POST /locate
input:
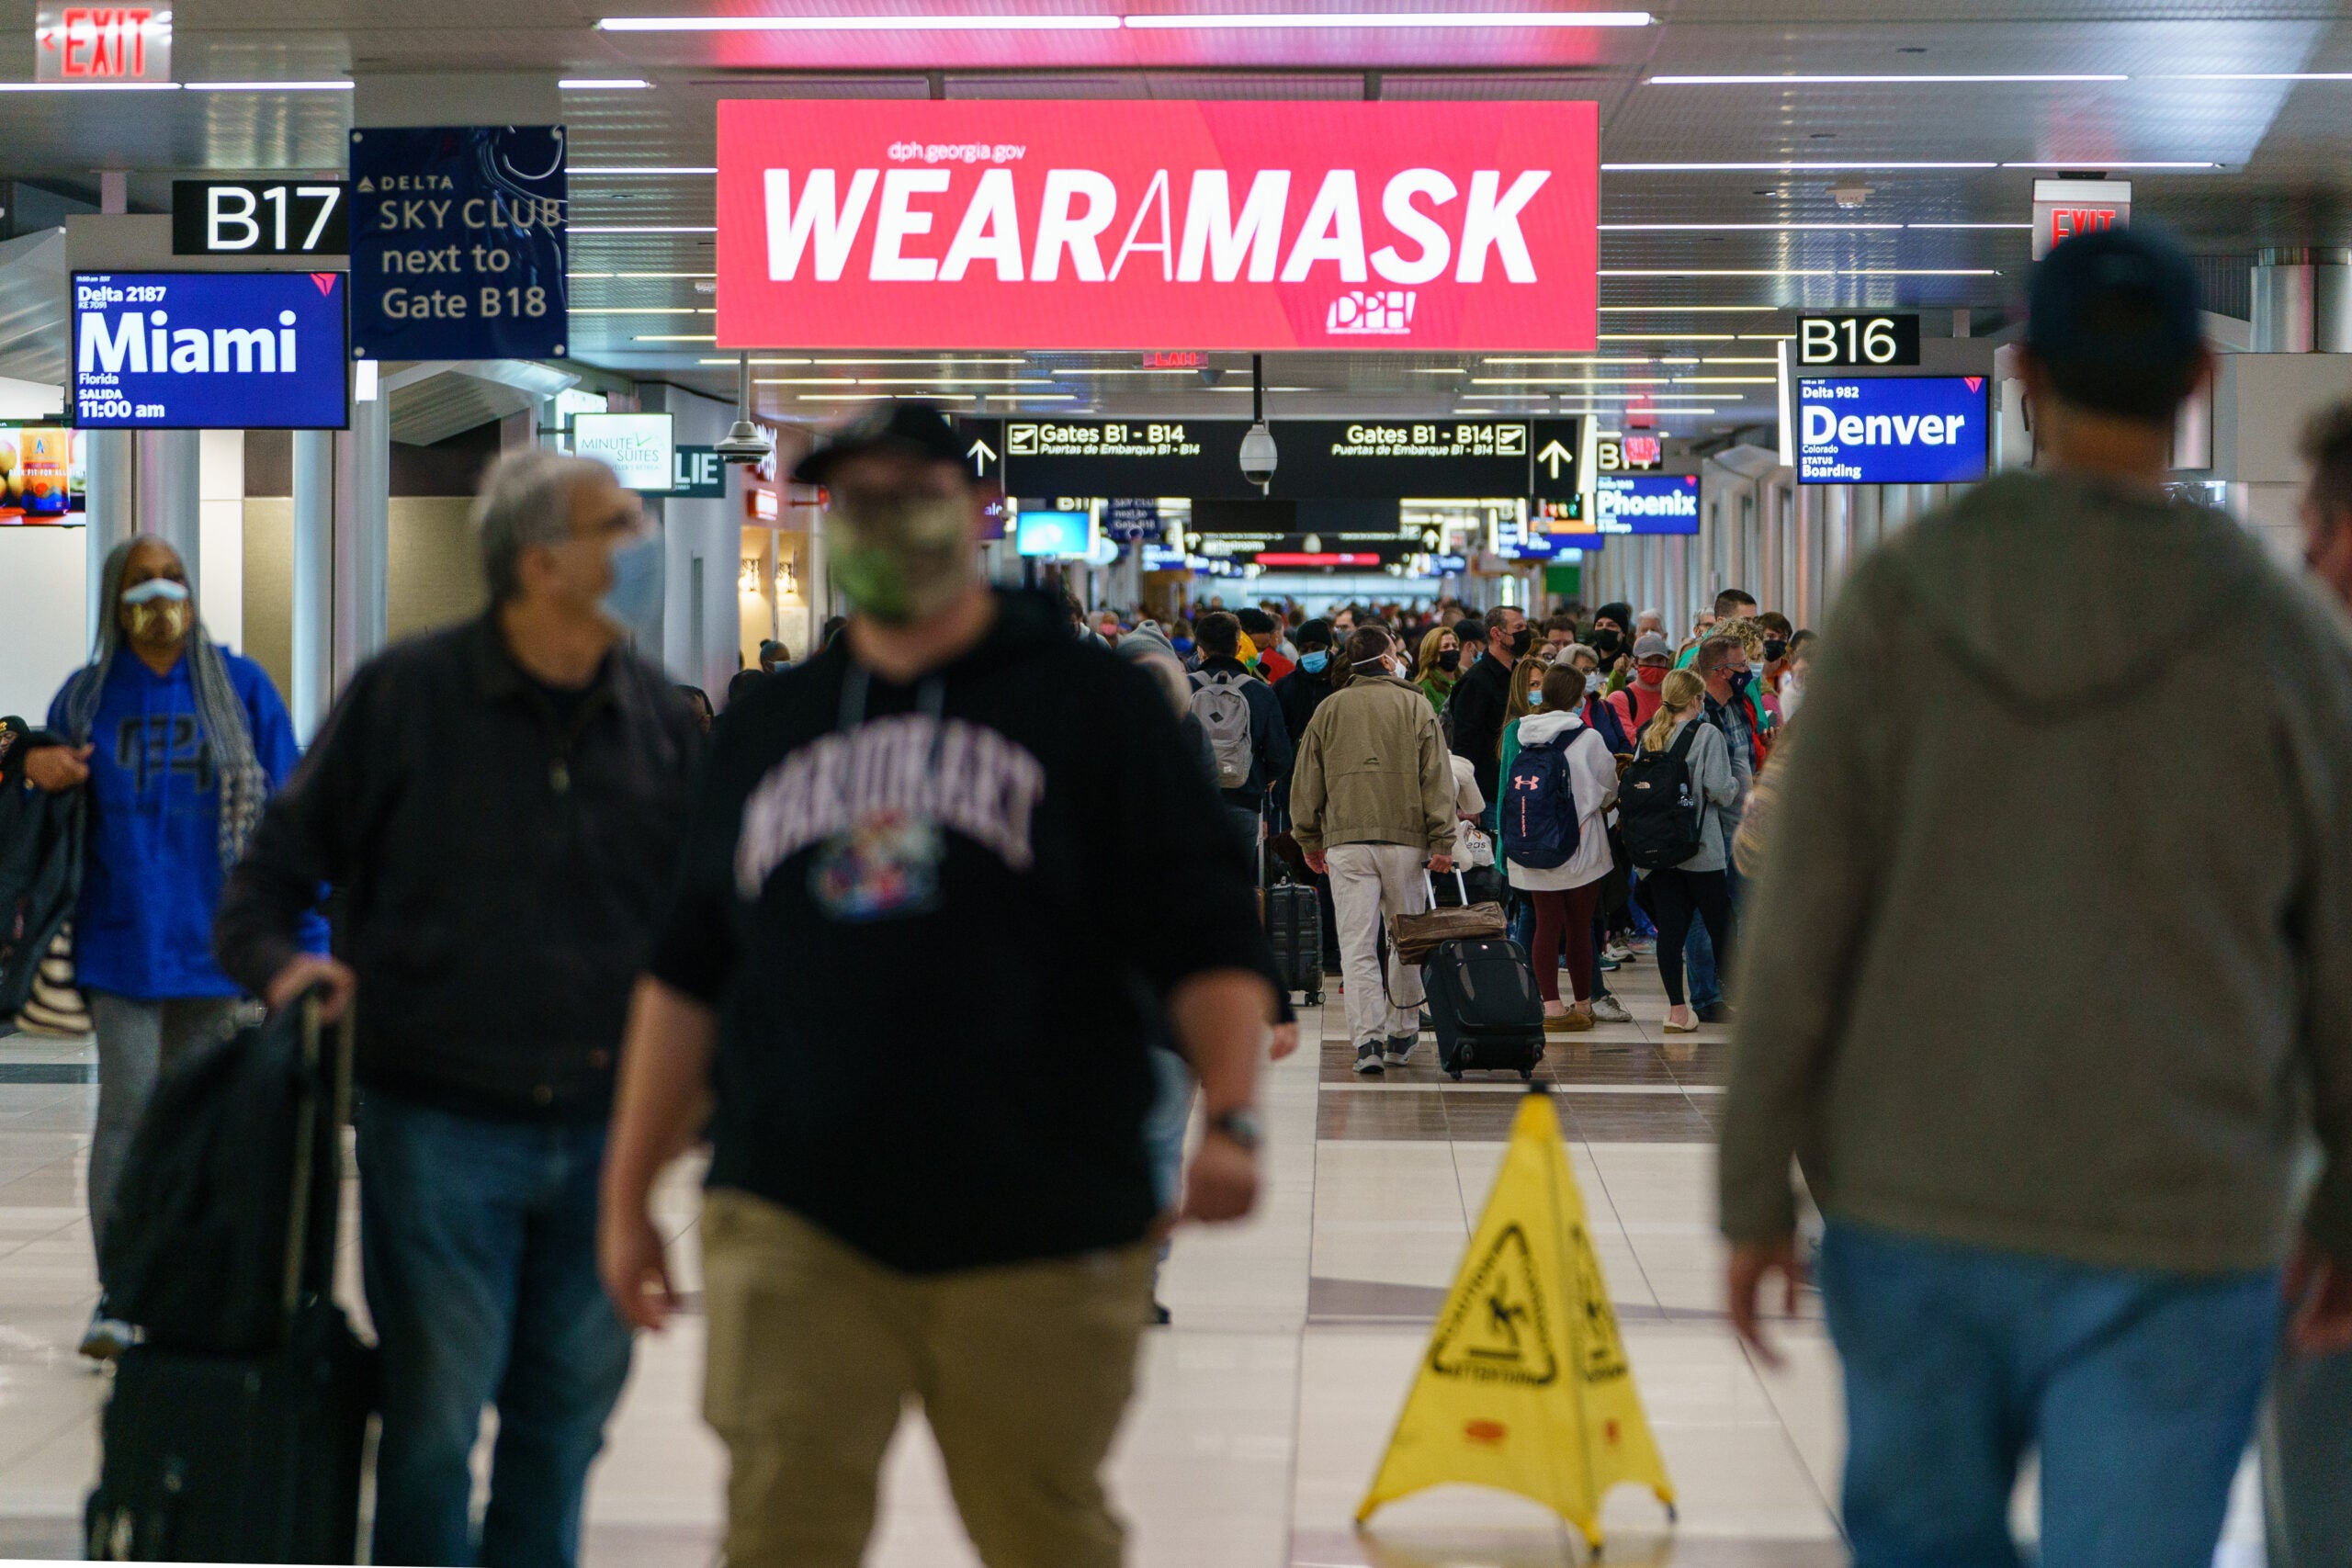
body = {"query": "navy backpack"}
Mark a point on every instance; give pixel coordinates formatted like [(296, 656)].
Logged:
[(1540, 830)]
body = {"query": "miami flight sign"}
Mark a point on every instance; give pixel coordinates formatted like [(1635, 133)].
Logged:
[(1076, 225)]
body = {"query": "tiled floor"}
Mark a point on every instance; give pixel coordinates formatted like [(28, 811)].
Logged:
[(1263, 1410)]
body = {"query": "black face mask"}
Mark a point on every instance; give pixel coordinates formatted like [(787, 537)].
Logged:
[(1450, 660), (1606, 642), (1521, 640), (1774, 648)]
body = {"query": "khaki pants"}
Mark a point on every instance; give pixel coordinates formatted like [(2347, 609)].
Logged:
[(1370, 882), (1024, 1372)]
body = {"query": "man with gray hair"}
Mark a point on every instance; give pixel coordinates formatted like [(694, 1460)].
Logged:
[(499, 808)]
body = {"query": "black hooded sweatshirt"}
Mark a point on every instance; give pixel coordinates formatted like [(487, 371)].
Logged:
[(955, 1080)]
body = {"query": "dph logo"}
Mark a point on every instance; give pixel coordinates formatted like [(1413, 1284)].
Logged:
[(1381, 313)]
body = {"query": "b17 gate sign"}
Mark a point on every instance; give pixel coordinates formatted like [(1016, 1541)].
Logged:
[(1088, 225)]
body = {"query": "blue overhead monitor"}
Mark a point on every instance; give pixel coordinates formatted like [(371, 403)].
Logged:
[(1892, 430), (210, 351), (1646, 504), (1066, 536)]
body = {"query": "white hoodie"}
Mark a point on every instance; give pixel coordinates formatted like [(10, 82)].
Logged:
[(1593, 774)]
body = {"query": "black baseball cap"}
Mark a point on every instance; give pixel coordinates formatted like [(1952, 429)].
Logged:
[(917, 429), (2119, 299)]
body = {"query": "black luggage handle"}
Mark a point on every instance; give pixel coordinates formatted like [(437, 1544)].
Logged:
[(310, 1260)]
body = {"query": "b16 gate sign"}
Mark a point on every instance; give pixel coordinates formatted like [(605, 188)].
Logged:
[(1225, 225), (1892, 430), (208, 351)]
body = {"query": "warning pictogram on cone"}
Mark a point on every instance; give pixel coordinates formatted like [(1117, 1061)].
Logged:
[(1525, 1385)]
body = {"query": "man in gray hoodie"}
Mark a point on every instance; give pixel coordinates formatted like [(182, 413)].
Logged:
[(2044, 987)]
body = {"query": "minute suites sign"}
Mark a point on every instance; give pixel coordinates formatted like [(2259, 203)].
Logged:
[(1132, 225)]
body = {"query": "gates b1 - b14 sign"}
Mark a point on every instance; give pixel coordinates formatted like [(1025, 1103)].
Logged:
[(1223, 225)]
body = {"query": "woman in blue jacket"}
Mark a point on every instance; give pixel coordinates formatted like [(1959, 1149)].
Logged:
[(178, 742)]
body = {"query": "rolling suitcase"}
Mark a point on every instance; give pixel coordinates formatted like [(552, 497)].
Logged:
[(1293, 925), (1484, 1005), (239, 1453)]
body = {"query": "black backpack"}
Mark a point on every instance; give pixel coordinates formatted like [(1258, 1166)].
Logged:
[(1657, 805), (237, 1151)]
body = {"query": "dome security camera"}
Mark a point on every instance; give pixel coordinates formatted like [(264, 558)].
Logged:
[(1257, 455)]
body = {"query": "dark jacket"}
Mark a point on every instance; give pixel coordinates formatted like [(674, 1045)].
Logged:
[(1478, 705), (1270, 747), (499, 867), (40, 864), (1298, 694)]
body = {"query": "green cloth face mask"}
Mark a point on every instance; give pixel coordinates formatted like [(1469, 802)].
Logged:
[(900, 561)]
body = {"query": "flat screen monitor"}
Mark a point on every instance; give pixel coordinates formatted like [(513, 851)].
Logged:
[(1646, 504), (1892, 430), (1063, 534), (210, 351)]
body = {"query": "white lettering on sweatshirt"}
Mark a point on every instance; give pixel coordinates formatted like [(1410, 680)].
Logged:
[(964, 776)]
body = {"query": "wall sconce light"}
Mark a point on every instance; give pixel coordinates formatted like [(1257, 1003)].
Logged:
[(787, 580), (748, 580)]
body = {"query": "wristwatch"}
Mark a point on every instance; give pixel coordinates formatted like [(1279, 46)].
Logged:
[(1240, 1126)]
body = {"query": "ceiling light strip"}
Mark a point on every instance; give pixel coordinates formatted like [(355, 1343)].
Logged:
[(986, 23), (1328, 20), (601, 84), (642, 229), (576, 171), (1903, 81), (1801, 272)]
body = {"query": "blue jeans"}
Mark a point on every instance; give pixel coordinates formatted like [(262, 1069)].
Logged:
[(479, 1243), (2138, 1388)]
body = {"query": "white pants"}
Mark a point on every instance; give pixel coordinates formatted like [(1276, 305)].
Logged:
[(1370, 882)]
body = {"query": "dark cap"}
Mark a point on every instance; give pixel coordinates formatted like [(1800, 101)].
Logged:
[(916, 429), (2120, 299)]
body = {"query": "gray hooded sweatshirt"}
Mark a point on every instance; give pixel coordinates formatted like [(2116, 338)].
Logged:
[(2048, 952)]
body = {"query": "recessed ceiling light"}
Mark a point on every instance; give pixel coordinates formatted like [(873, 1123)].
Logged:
[(89, 87), (1767, 227), (1801, 272), (603, 83), (1206, 20), (856, 24), (2115, 164), (1785, 167), (1903, 80)]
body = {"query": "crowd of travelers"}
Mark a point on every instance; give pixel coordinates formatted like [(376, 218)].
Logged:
[(872, 935)]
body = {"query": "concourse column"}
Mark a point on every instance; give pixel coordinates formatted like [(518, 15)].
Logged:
[(170, 494), (110, 499), (362, 536), (313, 616)]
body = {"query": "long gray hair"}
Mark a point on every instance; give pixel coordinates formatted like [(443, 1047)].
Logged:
[(245, 787)]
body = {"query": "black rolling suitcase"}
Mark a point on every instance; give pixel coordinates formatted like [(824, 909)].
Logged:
[(1293, 925), (237, 1429), (1483, 1007)]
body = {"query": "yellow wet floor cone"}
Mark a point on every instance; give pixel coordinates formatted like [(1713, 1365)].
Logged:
[(1525, 1384)]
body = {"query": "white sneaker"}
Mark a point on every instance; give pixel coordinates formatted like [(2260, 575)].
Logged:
[(1618, 951), (1368, 1059), (1609, 1010)]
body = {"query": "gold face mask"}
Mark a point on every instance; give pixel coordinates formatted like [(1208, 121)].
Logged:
[(157, 612), (900, 559)]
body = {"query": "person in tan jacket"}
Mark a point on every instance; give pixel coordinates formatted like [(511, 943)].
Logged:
[(1371, 803)]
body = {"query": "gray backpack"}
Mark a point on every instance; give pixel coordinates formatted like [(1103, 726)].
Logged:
[(1222, 708)]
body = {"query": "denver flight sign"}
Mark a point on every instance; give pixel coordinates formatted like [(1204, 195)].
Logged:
[(1077, 225)]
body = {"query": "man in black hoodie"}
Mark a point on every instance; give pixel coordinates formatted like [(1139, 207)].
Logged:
[(1483, 694), (907, 953)]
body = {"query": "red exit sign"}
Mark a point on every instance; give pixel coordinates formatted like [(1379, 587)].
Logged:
[(2064, 209), (104, 43), (1173, 359)]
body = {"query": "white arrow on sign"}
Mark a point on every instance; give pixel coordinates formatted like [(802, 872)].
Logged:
[(982, 455), (1556, 455)]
